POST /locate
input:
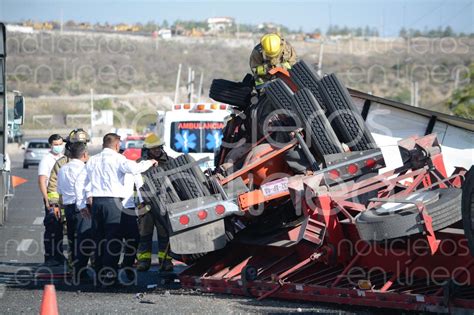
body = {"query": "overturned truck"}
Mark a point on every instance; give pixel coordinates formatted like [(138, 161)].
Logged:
[(326, 194)]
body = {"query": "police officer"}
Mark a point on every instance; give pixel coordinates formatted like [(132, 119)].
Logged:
[(53, 232), (105, 173), (272, 51), (153, 149)]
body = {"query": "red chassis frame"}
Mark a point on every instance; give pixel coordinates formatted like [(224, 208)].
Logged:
[(325, 260)]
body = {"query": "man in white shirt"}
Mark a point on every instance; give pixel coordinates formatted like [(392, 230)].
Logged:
[(53, 232), (106, 172), (129, 224), (77, 226)]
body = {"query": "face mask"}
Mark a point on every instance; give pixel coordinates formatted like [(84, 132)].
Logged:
[(58, 149)]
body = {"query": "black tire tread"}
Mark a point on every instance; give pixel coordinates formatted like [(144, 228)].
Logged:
[(322, 135), (229, 92), (304, 105), (347, 122), (281, 96), (158, 190), (304, 76), (468, 208), (186, 184)]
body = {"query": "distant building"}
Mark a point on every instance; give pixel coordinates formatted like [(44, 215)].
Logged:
[(122, 27), (20, 29), (164, 33), (220, 24), (268, 28)]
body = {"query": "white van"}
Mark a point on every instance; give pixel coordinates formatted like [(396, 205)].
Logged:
[(194, 128)]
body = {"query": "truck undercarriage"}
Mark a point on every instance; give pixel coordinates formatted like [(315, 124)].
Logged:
[(304, 204)]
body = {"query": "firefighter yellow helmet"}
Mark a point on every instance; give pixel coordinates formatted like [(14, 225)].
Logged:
[(152, 141), (271, 44)]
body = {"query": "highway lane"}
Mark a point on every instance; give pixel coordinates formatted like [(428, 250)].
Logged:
[(21, 254)]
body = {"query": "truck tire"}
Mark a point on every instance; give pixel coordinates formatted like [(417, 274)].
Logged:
[(229, 92), (248, 80), (304, 76), (281, 99), (185, 182), (323, 137), (468, 208), (195, 170), (303, 105), (157, 189), (344, 116), (373, 226)]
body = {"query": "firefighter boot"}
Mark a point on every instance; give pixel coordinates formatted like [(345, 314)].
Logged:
[(166, 263), (144, 261)]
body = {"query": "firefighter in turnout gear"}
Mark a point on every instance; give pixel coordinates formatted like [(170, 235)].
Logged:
[(272, 51), (68, 218), (153, 149), (77, 135)]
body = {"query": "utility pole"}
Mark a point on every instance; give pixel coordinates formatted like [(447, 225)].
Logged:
[(320, 62), (92, 113), (191, 96), (3, 94), (189, 84), (330, 14), (414, 94), (178, 79), (201, 79), (456, 79), (62, 20)]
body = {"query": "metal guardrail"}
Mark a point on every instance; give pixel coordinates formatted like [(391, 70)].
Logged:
[(448, 119)]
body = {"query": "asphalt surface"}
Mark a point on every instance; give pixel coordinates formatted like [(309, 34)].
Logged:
[(21, 292)]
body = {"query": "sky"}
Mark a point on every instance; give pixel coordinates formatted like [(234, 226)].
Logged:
[(388, 16)]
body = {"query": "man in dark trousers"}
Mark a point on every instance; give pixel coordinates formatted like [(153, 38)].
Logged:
[(148, 220), (78, 227), (53, 233), (105, 173)]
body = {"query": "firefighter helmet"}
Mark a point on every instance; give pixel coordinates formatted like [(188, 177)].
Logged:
[(152, 141), (271, 44), (78, 135)]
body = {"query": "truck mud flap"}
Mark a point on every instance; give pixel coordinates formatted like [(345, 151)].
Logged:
[(206, 238)]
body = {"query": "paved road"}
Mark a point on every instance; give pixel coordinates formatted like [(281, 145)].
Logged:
[(20, 292)]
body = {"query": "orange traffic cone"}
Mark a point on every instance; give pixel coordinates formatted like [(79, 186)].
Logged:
[(17, 181), (49, 305)]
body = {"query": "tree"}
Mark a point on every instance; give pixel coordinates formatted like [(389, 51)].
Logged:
[(150, 26), (70, 23), (165, 24), (417, 33), (461, 103), (448, 32), (366, 31), (403, 33)]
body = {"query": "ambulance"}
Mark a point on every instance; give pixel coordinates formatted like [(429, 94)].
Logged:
[(194, 129)]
